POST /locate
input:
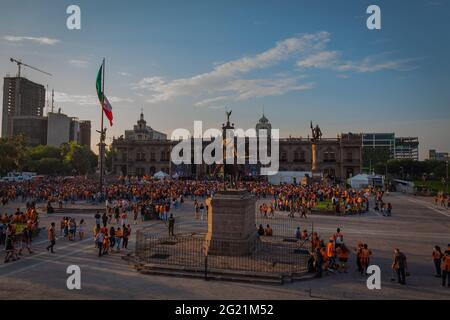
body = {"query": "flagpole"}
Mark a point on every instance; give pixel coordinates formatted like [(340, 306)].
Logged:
[(102, 133)]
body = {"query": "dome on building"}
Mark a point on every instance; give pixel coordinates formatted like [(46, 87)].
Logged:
[(263, 119), (263, 124)]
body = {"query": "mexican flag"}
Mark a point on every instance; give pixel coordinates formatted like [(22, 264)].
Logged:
[(106, 106)]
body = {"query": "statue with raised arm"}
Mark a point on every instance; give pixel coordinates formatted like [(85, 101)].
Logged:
[(316, 132), (228, 113)]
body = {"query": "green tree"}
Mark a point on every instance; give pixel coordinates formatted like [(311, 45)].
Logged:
[(79, 158), (110, 154), (12, 154), (40, 152), (374, 156)]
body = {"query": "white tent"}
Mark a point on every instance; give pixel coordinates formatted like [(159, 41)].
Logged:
[(359, 181), (161, 175), (288, 177)]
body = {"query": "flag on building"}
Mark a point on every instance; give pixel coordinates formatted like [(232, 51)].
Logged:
[(106, 106)]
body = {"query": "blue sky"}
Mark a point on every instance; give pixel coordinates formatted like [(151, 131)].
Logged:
[(187, 60)]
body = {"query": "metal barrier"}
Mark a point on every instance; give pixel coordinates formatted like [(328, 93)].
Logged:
[(270, 255)]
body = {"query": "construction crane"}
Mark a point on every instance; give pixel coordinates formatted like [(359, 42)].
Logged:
[(20, 64)]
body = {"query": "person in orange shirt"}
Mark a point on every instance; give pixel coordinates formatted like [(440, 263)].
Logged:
[(331, 254), (365, 259), (343, 253), (446, 267), (268, 232)]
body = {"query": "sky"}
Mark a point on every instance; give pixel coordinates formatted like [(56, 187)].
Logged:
[(181, 61)]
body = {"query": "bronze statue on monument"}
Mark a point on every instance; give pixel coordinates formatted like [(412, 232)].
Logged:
[(316, 132), (316, 137)]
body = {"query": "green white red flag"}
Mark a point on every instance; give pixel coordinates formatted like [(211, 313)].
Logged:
[(106, 106)]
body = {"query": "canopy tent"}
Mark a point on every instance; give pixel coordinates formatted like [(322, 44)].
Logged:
[(359, 181), (161, 175)]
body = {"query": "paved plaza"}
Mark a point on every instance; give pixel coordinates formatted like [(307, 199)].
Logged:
[(415, 227)]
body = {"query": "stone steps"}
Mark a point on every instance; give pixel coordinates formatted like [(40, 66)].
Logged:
[(220, 274)]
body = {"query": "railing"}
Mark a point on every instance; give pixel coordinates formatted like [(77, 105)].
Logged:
[(267, 255)]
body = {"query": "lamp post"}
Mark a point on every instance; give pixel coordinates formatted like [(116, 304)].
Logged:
[(446, 179)]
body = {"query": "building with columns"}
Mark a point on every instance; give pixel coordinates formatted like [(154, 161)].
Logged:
[(145, 151)]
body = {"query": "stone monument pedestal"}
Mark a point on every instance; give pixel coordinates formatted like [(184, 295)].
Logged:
[(231, 223)]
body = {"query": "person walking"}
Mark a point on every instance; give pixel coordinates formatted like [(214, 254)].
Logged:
[(318, 262), (105, 219), (126, 236), (81, 229), (119, 236), (99, 239), (400, 266), (365, 259), (26, 240), (112, 237), (97, 217), (437, 260), (171, 225), (446, 267), (51, 237), (10, 248)]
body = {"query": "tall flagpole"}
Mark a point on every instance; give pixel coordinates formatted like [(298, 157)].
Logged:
[(102, 132)]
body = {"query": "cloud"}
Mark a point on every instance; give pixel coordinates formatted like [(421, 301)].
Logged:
[(235, 80), (78, 63), (86, 100), (369, 64), (124, 74), (227, 77), (38, 40), (321, 59), (331, 60)]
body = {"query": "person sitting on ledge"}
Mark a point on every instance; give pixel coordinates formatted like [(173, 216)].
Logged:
[(268, 231), (261, 231)]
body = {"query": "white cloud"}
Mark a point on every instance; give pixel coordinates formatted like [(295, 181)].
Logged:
[(78, 63), (39, 40), (232, 80), (320, 59), (371, 65), (124, 74), (330, 60), (226, 76), (86, 100)]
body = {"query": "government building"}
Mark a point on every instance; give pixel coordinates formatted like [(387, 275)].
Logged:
[(145, 151)]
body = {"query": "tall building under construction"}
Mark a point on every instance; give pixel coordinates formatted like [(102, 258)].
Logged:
[(21, 98)]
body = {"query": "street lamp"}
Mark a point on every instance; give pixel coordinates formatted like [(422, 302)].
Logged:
[(446, 179)]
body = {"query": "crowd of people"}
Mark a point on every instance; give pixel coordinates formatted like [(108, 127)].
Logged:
[(129, 201), (442, 200)]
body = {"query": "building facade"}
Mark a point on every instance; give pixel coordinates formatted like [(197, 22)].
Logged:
[(141, 152), (381, 147), (438, 156), (58, 131), (33, 128), (21, 97), (85, 133)]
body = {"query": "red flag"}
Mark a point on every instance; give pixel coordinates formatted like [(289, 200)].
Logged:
[(107, 109)]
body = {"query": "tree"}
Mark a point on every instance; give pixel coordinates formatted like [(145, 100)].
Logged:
[(374, 156), (110, 154), (40, 152), (81, 159), (12, 154)]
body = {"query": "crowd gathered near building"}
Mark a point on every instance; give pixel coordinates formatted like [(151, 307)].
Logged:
[(129, 201)]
